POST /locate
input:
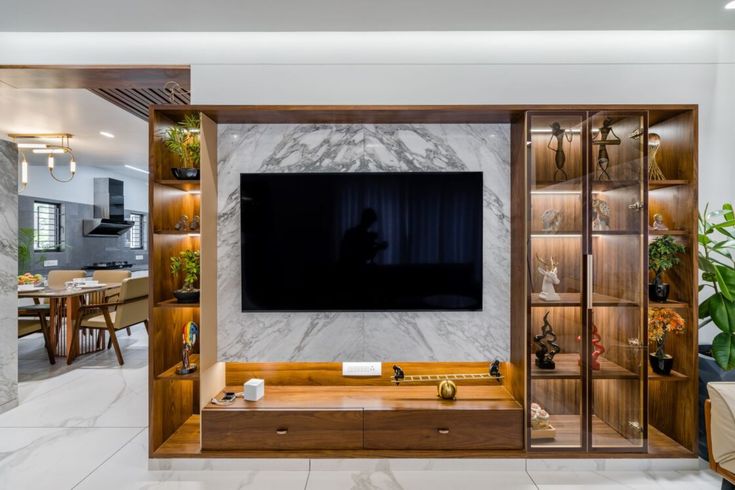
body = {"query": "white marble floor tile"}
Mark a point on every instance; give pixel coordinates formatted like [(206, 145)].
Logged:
[(384, 479), (34, 458), (640, 480)]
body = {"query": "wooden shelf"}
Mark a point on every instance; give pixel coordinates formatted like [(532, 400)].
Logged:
[(610, 185), (570, 187), (173, 303), (662, 184), (184, 442), (668, 304), (559, 234), (170, 373), (674, 377), (177, 232), (616, 233), (184, 185), (575, 299), (567, 367), (568, 432), (668, 232)]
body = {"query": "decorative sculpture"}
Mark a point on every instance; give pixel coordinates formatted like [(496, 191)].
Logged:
[(189, 338), (654, 171), (551, 220), (600, 215), (539, 417), (603, 158), (559, 134), (446, 389), (195, 225), (182, 224), (658, 223), (547, 346), (549, 271), (597, 348)]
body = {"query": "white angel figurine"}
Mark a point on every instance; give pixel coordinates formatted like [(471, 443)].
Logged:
[(548, 270)]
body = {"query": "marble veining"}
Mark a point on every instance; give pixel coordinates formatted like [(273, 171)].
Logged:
[(337, 336), (8, 272)]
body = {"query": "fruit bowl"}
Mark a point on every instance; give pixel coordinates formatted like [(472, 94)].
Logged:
[(30, 280)]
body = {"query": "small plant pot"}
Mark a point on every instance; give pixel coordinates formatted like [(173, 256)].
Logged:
[(187, 296), (661, 365), (658, 292), (186, 173)]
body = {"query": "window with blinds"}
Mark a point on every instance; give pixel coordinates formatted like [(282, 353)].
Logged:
[(47, 226), (135, 235)]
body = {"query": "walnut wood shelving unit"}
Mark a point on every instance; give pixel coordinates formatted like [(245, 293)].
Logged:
[(181, 418)]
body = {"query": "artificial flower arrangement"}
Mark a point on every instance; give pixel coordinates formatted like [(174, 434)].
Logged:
[(661, 323)]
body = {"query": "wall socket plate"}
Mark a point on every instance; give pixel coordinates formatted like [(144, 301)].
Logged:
[(50, 263), (361, 369), (138, 257)]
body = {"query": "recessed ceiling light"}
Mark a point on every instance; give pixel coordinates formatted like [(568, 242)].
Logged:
[(106, 134), (136, 169), (730, 5)]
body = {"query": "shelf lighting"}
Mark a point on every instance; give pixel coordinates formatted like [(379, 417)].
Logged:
[(195, 192), (553, 192), (556, 235), (137, 169), (194, 234)]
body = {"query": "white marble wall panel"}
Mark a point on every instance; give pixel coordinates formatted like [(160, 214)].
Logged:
[(8, 272), (336, 336)]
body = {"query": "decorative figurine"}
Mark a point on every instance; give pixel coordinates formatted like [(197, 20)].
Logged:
[(195, 225), (547, 346), (447, 390), (182, 224), (189, 337), (560, 134), (658, 223), (654, 171), (600, 215), (598, 348), (603, 159), (539, 417), (551, 220), (549, 271)]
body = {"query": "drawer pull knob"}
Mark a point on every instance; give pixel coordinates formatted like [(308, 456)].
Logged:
[(443, 431), (281, 432)]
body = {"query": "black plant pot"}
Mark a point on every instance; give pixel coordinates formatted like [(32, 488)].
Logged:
[(187, 296), (186, 173), (661, 365), (708, 371), (658, 292)]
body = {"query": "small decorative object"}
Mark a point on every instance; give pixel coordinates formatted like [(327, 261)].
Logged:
[(603, 159), (559, 134), (187, 262), (447, 390), (662, 322), (662, 256), (551, 220), (549, 271), (182, 224), (253, 389), (658, 223), (547, 346), (597, 348), (182, 140), (600, 215), (195, 225), (540, 426), (189, 338), (654, 171)]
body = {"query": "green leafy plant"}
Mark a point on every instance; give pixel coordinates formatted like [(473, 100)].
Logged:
[(186, 263), (25, 250), (717, 263), (662, 255), (182, 140)]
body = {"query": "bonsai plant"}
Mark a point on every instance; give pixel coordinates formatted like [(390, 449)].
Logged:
[(186, 263), (182, 140), (662, 256), (662, 322)]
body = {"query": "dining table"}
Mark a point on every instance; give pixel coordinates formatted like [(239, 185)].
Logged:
[(64, 304)]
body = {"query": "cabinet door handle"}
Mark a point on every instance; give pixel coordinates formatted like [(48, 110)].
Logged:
[(442, 431), (281, 432)]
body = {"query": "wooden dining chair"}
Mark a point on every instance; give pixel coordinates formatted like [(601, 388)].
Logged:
[(111, 276), (32, 319), (130, 309), (58, 278)]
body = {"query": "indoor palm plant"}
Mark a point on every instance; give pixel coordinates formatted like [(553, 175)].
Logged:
[(661, 323), (182, 139), (662, 255), (186, 264)]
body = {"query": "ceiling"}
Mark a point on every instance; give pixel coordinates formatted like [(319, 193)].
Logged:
[(364, 15), (81, 113)]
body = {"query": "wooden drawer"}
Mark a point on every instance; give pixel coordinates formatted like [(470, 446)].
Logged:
[(444, 429), (281, 429)]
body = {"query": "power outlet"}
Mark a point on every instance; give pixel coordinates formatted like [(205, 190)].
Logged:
[(361, 368), (138, 257), (50, 263)]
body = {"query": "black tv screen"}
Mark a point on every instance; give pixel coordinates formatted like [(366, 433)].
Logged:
[(361, 241)]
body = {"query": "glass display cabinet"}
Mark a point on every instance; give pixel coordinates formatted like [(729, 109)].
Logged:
[(587, 294)]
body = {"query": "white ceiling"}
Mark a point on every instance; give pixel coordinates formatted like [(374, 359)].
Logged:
[(82, 114), (363, 15)]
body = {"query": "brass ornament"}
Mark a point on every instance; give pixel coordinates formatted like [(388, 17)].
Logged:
[(447, 390)]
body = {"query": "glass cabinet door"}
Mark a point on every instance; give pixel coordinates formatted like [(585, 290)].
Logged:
[(616, 244), (556, 148)]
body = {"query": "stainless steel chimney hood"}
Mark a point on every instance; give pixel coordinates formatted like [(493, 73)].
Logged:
[(109, 210)]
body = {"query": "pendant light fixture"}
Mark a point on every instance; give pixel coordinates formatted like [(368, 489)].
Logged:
[(63, 148)]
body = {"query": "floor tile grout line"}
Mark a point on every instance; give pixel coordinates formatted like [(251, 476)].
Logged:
[(108, 458), (308, 474), (529, 475)]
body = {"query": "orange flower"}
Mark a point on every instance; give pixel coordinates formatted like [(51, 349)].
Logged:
[(662, 321)]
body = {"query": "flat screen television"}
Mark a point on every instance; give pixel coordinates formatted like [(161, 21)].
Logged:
[(403, 241)]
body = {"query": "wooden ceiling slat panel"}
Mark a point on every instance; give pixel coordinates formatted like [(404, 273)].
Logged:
[(137, 100)]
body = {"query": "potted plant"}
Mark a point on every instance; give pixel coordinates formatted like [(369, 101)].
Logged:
[(662, 256), (717, 264), (662, 322), (186, 263), (182, 140)]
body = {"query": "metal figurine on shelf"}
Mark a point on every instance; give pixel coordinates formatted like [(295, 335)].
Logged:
[(549, 271), (446, 389), (189, 338), (551, 220), (597, 348), (654, 171), (547, 346), (603, 140), (195, 225), (658, 223), (600, 215), (559, 134), (182, 224)]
